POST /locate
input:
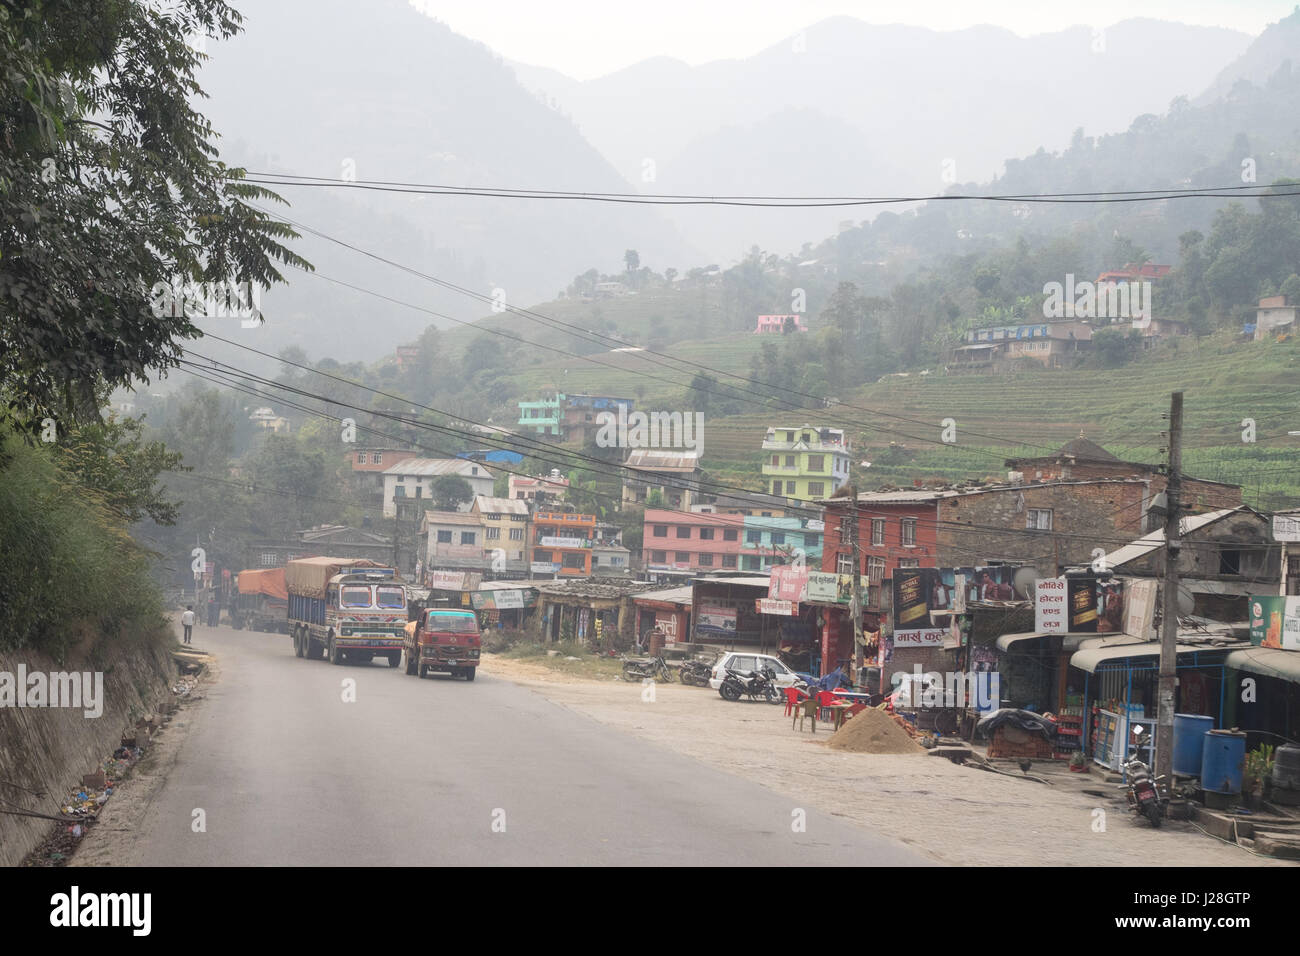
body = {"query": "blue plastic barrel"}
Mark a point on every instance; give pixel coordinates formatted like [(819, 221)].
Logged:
[(1189, 742), (1223, 761)]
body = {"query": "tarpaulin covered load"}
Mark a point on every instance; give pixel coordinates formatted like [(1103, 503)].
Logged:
[(1025, 720), (309, 577), (268, 581)]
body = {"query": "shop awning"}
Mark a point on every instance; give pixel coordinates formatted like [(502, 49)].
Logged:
[(1267, 661), (1006, 640), (1089, 658)]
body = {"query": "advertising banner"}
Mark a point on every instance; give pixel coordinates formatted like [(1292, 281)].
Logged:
[(1140, 608), (928, 597), (1286, 527), (921, 637), (1051, 606), (713, 619), (1275, 622), (788, 583), (775, 606), (446, 580)]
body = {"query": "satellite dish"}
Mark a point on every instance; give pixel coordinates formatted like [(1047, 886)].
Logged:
[(1024, 581)]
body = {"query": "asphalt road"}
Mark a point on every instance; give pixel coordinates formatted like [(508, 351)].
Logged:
[(445, 772)]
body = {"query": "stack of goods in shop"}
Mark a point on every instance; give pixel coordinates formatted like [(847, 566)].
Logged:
[(1069, 728)]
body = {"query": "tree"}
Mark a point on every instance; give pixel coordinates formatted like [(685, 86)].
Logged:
[(111, 192), (111, 461), (448, 492), (632, 259)]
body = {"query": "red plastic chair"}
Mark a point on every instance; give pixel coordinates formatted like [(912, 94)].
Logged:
[(824, 699), (792, 698)]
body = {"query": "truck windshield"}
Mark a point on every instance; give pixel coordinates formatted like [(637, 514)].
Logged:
[(452, 623), (355, 595), (391, 596)]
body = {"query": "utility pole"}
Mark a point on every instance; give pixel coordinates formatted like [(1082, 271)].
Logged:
[(855, 601), (1168, 683)]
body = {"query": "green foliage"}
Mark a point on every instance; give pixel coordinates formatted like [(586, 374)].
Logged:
[(449, 491), (68, 568), (119, 469), (109, 185)]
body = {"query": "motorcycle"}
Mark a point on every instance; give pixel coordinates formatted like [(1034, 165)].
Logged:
[(653, 667), (757, 685), (696, 673), (1143, 795)]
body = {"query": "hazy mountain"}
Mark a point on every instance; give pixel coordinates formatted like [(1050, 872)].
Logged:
[(1277, 45), (375, 90), (941, 106)]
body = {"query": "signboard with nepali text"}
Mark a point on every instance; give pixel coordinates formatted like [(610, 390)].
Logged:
[(776, 606), (1275, 622)]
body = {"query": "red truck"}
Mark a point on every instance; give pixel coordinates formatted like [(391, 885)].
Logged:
[(443, 640)]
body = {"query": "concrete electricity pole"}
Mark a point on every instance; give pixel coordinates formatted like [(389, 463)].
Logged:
[(1168, 682), (855, 600)]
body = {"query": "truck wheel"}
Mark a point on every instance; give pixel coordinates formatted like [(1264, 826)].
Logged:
[(336, 657), (298, 649), (419, 670), (410, 665), (469, 672), (394, 659)]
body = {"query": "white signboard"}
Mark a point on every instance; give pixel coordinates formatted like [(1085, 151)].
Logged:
[(505, 600), (1051, 607), (549, 542), (922, 637), (447, 580), (1286, 528), (544, 567), (1139, 607)]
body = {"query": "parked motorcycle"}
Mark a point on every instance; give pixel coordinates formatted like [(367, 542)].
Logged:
[(653, 667), (696, 673), (1143, 795), (757, 685)]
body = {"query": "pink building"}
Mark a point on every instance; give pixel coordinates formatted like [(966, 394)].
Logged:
[(775, 324), (686, 540)]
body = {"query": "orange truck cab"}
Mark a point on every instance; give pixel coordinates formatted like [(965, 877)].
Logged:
[(443, 640)]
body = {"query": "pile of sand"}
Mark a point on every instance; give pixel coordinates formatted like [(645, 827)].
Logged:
[(873, 731)]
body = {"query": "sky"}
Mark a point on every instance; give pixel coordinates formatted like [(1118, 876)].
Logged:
[(589, 38)]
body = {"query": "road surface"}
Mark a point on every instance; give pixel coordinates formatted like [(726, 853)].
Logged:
[(446, 772)]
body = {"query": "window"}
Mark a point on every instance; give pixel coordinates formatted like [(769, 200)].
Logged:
[(776, 461), (542, 557), (361, 458), (660, 531), (730, 534), (817, 463), (816, 489), (1039, 519), (751, 563), (843, 564), (706, 534), (1229, 562), (683, 531), (789, 461), (355, 596), (467, 537), (269, 559), (683, 557), (516, 534), (399, 491), (753, 537), (811, 540), (877, 530), (728, 560), (659, 557), (778, 537), (742, 662), (875, 570), (391, 597), (908, 532), (846, 529), (444, 537), (706, 560), (492, 534), (376, 459), (575, 561), (776, 487), (909, 562)]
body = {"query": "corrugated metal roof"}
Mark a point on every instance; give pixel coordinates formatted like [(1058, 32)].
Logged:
[(1156, 539), (486, 504), (1269, 661), (669, 595), (425, 467), (663, 459), (450, 517)]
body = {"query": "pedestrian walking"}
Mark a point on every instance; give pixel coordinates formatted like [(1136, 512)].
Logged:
[(187, 621)]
